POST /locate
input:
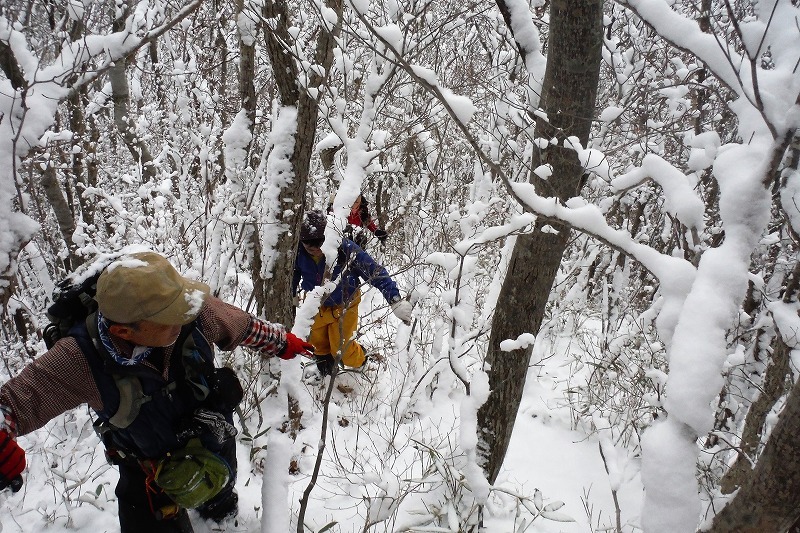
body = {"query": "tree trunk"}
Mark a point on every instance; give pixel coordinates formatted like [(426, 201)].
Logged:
[(769, 500), (120, 96), (277, 289), (773, 388), (568, 97), (249, 99), (11, 68), (63, 213), (247, 85), (775, 383), (92, 173), (74, 174)]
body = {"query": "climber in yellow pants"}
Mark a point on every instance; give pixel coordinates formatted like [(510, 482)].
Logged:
[(333, 331), (337, 318)]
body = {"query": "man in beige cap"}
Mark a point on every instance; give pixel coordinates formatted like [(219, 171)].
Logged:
[(144, 362)]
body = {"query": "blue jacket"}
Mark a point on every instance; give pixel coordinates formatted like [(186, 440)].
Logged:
[(358, 265)]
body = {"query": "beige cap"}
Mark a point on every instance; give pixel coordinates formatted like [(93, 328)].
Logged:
[(145, 286)]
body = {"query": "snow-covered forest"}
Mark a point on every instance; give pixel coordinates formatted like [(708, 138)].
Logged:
[(592, 207)]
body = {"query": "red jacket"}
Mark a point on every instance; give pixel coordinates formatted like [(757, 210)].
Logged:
[(355, 219)]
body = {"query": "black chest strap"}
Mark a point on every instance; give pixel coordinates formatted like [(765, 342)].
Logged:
[(131, 394)]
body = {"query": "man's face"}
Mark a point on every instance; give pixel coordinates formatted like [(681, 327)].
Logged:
[(147, 333), (313, 249)]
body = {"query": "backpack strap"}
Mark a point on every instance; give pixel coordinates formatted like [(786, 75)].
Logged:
[(131, 399), (195, 368), (131, 395)]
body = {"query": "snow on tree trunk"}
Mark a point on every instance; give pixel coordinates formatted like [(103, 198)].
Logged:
[(568, 97), (770, 499)]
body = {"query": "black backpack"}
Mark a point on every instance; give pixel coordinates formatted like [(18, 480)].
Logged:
[(73, 299)]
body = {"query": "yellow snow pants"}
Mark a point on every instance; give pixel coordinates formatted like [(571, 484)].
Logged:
[(333, 331)]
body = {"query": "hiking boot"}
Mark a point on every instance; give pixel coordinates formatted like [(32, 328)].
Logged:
[(372, 362), (222, 509), (325, 364), (314, 372)]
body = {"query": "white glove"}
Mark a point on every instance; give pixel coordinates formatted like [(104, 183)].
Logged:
[(296, 300), (402, 310)]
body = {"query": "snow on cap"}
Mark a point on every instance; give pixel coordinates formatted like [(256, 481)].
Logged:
[(145, 286)]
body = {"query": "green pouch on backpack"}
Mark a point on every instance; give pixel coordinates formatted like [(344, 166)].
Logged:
[(192, 475)]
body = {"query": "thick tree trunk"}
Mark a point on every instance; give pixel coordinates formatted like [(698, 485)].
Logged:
[(773, 388), (277, 289), (568, 97), (769, 500), (739, 514)]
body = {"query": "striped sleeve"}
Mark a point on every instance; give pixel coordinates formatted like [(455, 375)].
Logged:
[(227, 326), (266, 337)]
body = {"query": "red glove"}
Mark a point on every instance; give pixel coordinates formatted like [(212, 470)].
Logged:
[(295, 345), (12, 462)]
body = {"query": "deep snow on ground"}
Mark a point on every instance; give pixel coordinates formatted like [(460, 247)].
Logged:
[(545, 454), (564, 464)]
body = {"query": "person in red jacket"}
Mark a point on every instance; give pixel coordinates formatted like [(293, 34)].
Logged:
[(360, 217)]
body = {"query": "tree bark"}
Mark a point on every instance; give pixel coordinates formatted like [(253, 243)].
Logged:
[(773, 388), (120, 96), (774, 385), (66, 222), (277, 289), (769, 500), (568, 97), (92, 174), (247, 85), (248, 100), (11, 68)]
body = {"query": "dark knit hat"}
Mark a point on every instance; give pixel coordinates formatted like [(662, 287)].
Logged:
[(313, 228)]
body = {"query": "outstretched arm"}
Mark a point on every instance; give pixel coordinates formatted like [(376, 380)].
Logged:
[(57, 381), (54, 383), (227, 326), (377, 276), (371, 271)]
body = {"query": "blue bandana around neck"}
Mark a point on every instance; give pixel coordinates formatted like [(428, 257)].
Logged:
[(139, 352)]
